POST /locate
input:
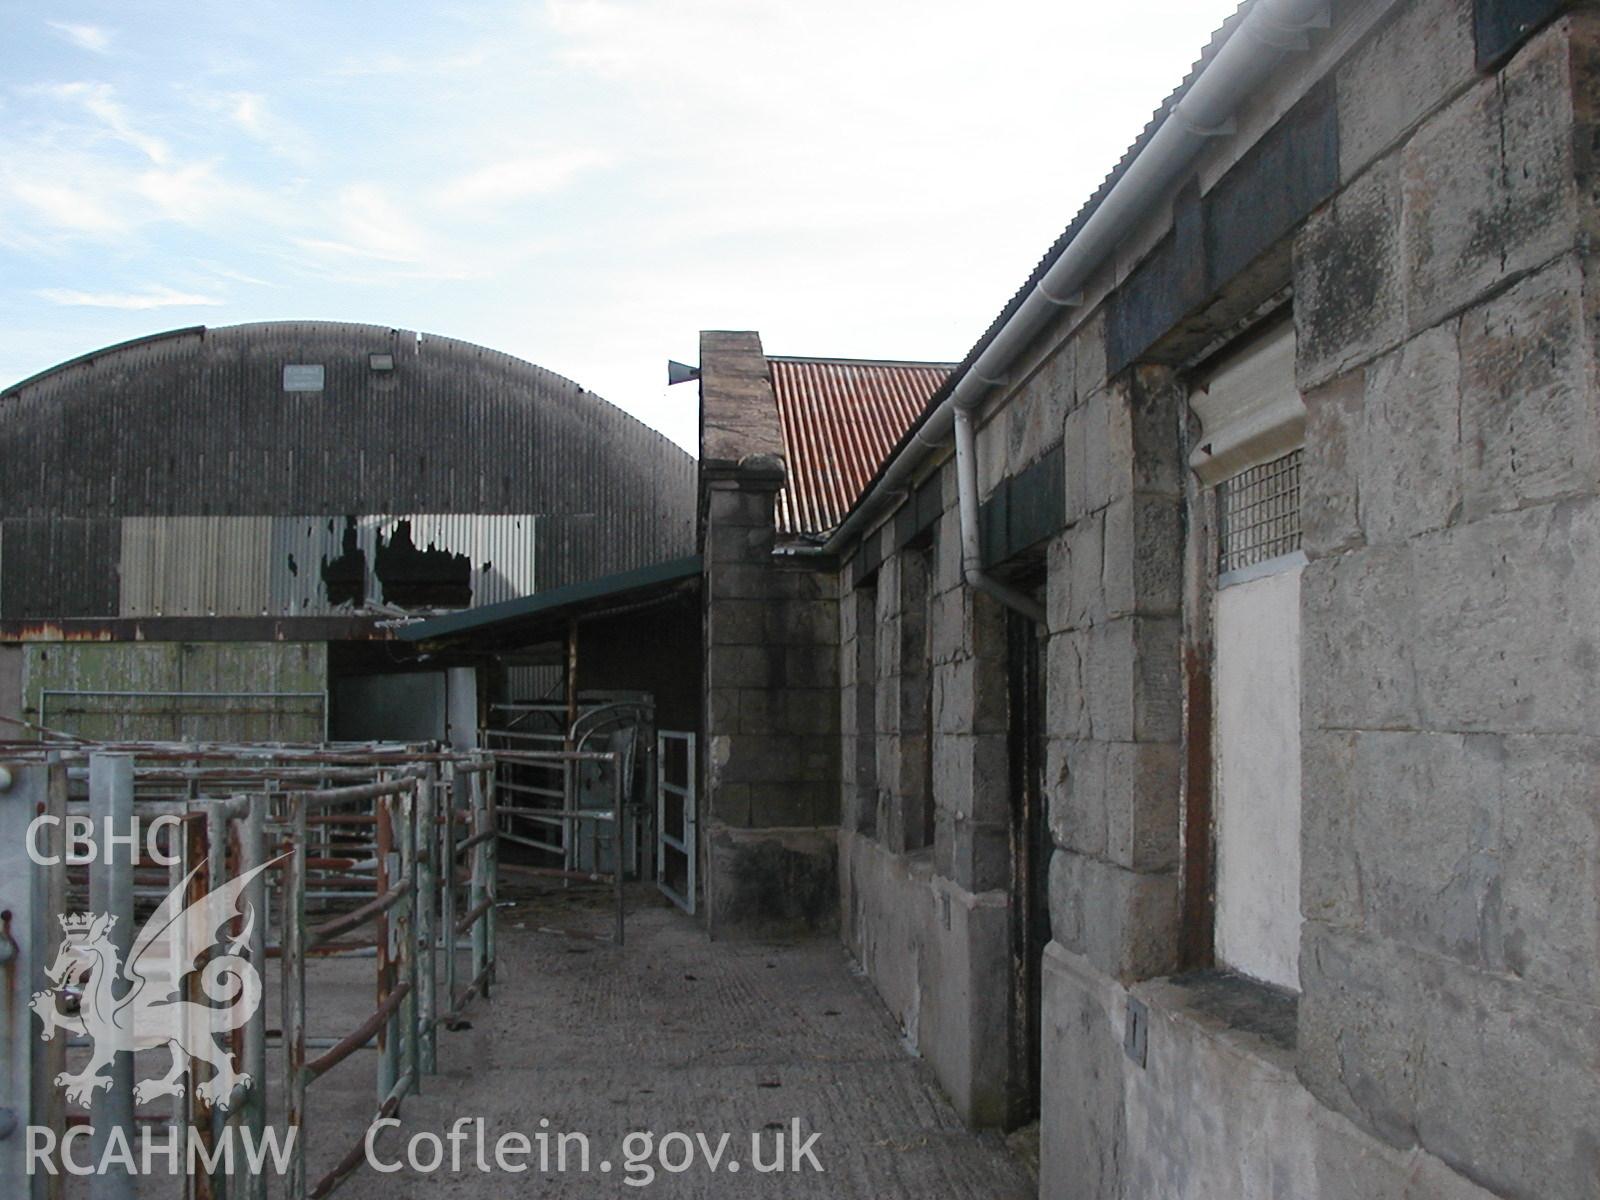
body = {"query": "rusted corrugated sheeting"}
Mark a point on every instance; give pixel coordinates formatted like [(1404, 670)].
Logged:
[(840, 419), (198, 424)]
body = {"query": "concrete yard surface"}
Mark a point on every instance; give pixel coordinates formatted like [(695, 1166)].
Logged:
[(683, 1039)]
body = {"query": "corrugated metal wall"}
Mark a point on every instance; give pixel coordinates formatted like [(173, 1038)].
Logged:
[(197, 424), (163, 668)]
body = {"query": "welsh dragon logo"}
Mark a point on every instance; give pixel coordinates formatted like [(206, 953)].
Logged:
[(136, 1005)]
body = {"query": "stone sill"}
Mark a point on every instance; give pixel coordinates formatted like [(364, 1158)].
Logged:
[(1249, 1017)]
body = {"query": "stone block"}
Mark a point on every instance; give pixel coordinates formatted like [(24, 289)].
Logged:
[(1349, 298), (809, 666), (1075, 443), (1033, 417), (1330, 488), (745, 667), (732, 622), (1428, 842), (1142, 811), (734, 544), (1124, 922), (1083, 1137), (947, 553), (762, 758), (728, 506), (969, 696), (1066, 711), (1357, 1042), (971, 778), (730, 803), (810, 711), (800, 623), (1530, 426), (785, 804), (1507, 1089), (1057, 588), (1142, 556), (973, 855), (947, 615), (770, 885), (740, 580), (1358, 635), (1075, 795), (1147, 454), (801, 580), (1108, 448), (757, 710), (1505, 639), (1549, 898), (1134, 679), (1330, 879), (1109, 669), (1410, 465), (1488, 184), (1399, 74), (1086, 572)]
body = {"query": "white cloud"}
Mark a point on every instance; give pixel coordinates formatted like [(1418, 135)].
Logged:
[(519, 178), (99, 100), (93, 38), (254, 114), (78, 209), (154, 296)]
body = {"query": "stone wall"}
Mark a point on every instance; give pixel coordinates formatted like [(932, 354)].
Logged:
[(1422, 185), (1451, 889), (926, 907), (772, 737)]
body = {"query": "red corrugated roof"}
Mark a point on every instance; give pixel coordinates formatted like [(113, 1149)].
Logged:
[(840, 419)]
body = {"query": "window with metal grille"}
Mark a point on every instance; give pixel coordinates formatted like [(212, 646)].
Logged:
[(1260, 513)]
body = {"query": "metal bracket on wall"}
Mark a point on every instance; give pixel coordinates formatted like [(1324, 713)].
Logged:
[(1136, 1031)]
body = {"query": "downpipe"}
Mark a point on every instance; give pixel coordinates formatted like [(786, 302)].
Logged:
[(972, 571)]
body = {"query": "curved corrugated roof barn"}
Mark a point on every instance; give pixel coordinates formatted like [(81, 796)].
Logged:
[(316, 468)]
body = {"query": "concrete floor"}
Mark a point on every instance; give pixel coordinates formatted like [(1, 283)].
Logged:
[(673, 1033)]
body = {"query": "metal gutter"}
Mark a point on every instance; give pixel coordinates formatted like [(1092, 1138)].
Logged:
[(1264, 37)]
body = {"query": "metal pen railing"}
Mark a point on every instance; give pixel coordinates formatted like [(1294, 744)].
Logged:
[(357, 840)]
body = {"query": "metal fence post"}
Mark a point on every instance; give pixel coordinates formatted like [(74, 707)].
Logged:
[(448, 920), (111, 893), (617, 837), (216, 834), (427, 912), (480, 883), (389, 1030), (252, 853), (50, 1103), (405, 940), (492, 866), (22, 793), (293, 969)]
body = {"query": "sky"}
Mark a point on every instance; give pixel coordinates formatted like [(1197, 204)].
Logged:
[(585, 184)]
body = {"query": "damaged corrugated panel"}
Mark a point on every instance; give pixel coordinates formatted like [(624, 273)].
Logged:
[(314, 565), (840, 418)]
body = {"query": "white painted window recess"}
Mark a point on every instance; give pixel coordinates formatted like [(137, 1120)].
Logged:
[(1253, 422)]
